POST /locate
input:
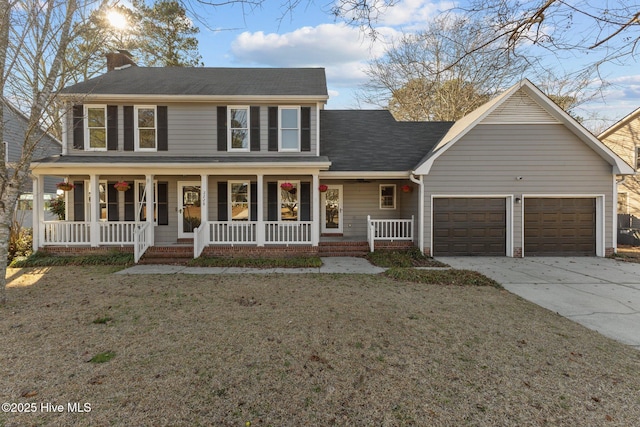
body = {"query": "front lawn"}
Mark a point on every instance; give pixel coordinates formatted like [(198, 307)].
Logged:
[(316, 349)]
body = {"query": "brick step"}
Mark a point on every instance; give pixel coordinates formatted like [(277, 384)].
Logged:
[(170, 261), (349, 254)]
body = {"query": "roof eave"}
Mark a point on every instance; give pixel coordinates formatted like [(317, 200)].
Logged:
[(193, 98)]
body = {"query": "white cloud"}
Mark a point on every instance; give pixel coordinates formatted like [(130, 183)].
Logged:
[(414, 13)]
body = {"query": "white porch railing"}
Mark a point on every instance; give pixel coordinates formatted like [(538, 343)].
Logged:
[(388, 229), (66, 233), (288, 232), (200, 239), (232, 232), (141, 238), (117, 233)]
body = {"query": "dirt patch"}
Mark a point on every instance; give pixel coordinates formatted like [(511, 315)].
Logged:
[(300, 350), (628, 253)]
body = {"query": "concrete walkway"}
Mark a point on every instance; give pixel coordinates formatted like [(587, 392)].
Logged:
[(599, 293), (346, 265)]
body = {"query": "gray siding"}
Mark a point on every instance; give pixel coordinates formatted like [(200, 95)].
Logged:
[(192, 130), (549, 158)]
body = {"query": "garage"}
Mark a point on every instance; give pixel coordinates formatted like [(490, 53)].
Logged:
[(559, 226), (469, 226)]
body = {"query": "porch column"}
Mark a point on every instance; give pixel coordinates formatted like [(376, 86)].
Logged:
[(260, 201), (315, 218), (204, 202), (38, 212), (149, 202), (94, 214)]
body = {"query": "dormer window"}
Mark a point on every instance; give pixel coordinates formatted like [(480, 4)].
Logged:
[(238, 129), (289, 120), (95, 117), (145, 120)]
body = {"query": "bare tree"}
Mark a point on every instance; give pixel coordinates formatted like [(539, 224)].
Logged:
[(440, 73), (34, 37)]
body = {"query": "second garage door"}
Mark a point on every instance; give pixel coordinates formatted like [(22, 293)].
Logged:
[(469, 226), (559, 226)]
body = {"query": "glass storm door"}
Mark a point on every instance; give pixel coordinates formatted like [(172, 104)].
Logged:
[(331, 202), (188, 208)]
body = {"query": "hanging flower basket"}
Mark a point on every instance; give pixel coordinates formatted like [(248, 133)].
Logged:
[(406, 188), (286, 186), (323, 188), (65, 186), (121, 186)]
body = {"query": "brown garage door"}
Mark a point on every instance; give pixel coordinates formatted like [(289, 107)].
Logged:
[(554, 226), (469, 226)]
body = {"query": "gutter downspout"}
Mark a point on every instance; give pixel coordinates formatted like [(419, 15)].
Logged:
[(420, 183)]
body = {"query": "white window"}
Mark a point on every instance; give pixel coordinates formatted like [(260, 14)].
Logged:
[(288, 200), (141, 202), (239, 200), (289, 126), (238, 129), (146, 135), (103, 203), (387, 196), (95, 119)]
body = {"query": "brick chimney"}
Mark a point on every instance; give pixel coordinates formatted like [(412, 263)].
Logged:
[(119, 59)]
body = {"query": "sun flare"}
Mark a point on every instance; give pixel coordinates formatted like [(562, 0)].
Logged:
[(117, 20)]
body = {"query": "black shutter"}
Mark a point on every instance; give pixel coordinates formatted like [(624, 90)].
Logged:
[(128, 127), (222, 201), (255, 128), (163, 203), (163, 132), (222, 128), (112, 127), (305, 129), (112, 202), (305, 201), (273, 201), (78, 127), (253, 209), (273, 128), (130, 203), (78, 201)]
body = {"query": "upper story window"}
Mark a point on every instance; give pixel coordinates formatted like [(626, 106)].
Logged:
[(289, 127), (387, 196), (95, 127), (238, 128), (145, 120), (240, 199)]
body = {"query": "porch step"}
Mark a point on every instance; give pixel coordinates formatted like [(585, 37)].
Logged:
[(353, 249), (176, 255)]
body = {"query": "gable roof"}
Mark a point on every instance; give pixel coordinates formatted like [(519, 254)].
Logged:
[(620, 123), (465, 124), (188, 81), (372, 140)]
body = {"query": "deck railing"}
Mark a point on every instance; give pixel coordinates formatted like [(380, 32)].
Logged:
[(66, 233), (117, 233), (232, 232), (141, 239), (288, 232), (388, 229)]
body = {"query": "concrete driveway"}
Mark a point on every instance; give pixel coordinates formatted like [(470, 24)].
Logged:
[(599, 293)]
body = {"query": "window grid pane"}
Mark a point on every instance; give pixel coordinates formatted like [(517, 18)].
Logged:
[(239, 128), (96, 125), (239, 201), (146, 128), (289, 129), (289, 203)]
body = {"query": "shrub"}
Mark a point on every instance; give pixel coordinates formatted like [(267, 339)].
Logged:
[(20, 241)]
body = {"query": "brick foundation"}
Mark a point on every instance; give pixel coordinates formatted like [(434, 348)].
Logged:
[(517, 252), (609, 251), (264, 251), (84, 250)]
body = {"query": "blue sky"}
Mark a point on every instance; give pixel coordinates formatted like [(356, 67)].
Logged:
[(311, 37)]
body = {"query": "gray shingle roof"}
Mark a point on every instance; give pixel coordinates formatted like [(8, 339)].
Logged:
[(372, 140), (206, 81)]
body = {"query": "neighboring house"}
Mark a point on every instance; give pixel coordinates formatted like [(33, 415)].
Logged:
[(15, 128), (247, 161), (624, 139)]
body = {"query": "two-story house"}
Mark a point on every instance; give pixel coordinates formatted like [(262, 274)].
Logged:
[(16, 126), (623, 138), (244, 160)]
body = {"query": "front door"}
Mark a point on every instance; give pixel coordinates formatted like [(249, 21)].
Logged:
[(331, 202), (188, 208)]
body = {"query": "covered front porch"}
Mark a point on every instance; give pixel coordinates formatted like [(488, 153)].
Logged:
[(269, 211)]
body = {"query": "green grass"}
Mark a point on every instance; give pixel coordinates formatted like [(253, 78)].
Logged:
[(103, 357), (407, 258), (41, 259), (102, 320), (441, 277), (294, 262)]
